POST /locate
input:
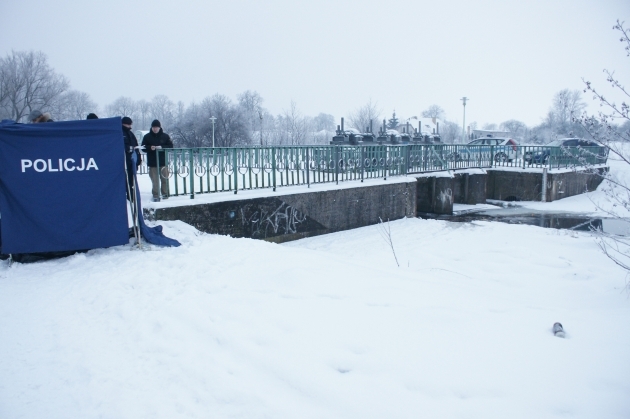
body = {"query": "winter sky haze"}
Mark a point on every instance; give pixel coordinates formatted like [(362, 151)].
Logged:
[(508, 57)]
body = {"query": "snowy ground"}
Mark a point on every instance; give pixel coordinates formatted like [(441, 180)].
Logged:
[(327, 327)]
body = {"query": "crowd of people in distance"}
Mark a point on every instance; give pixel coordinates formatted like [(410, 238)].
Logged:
[(156, 139)]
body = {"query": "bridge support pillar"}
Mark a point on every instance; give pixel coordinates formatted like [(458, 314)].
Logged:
[(435, 195)]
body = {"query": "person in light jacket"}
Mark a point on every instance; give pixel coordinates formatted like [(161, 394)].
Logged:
[(156, 140)]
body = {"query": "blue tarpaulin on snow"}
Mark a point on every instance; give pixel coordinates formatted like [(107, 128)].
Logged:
[(62, 186), (152, 235)]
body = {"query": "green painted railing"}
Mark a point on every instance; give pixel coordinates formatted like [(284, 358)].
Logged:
[(193, 171)]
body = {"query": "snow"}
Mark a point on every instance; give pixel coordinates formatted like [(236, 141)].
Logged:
[(325, 327)]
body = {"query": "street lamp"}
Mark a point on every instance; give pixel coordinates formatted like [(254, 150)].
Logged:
[(213, 119), (464, 99)]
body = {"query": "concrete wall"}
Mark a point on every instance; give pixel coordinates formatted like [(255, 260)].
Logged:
[(438, 194), (290, 217), (435, 195), (469, 188), (525, 186), (513, 186), (563, 185)]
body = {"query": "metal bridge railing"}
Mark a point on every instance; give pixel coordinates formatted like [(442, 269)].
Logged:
[(191, 171)]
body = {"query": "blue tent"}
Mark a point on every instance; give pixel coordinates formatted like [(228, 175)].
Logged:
[(62, 186)]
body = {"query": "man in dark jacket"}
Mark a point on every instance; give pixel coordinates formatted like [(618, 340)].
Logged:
[(131, 142), (156, 140)]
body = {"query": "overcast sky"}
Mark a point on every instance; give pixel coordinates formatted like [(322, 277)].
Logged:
[(508, 57)]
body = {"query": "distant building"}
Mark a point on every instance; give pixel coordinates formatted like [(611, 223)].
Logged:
[(479, 133)]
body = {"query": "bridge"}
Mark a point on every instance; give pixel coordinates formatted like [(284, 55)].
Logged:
[(318, 189)]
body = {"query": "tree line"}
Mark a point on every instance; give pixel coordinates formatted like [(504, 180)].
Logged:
[(27, 82), (561, 120)]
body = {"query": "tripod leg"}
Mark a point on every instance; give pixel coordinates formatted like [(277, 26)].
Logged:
[(134, 206)]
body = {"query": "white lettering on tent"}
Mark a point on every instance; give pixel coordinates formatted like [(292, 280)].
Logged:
[(69, 165), (50, 168), (91, 164), (26, 164), (35, 165), (66, 167)]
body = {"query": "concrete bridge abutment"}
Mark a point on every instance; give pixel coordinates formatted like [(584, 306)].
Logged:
[(286, 217)]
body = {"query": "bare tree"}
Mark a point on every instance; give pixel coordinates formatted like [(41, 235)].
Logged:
[(163, 110), (192, 128), (518, 129), (296, 126), (75, 105), (144, 109), (433, 111), (450, 132), (269, 128), (251, 104), (28, 83), (5, 83), (231, 126), (360, 119), (560, 120), (567, 105), (605, 129), (123, 106), (324, 122)]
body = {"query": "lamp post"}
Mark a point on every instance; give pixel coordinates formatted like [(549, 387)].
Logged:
[(213, 119), (464, 99)]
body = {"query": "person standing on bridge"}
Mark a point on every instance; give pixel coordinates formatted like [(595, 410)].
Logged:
[(156, 140), (131, 144)]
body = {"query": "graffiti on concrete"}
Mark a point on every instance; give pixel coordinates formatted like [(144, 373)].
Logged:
[(446, 197), (285, 219)]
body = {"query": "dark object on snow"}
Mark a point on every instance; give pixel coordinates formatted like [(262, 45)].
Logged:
[(558, 330), (40, 257)]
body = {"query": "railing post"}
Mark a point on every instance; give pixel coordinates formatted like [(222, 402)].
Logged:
[(157, 156), (273, 166), (175, 172), (384, 152), (406, 153), (336, 161), (479, 154), (543, 196), (362, 163), (308, 171), (191, 171), (235, 160)]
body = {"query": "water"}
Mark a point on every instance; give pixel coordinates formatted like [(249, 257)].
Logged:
[(545, 219)]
